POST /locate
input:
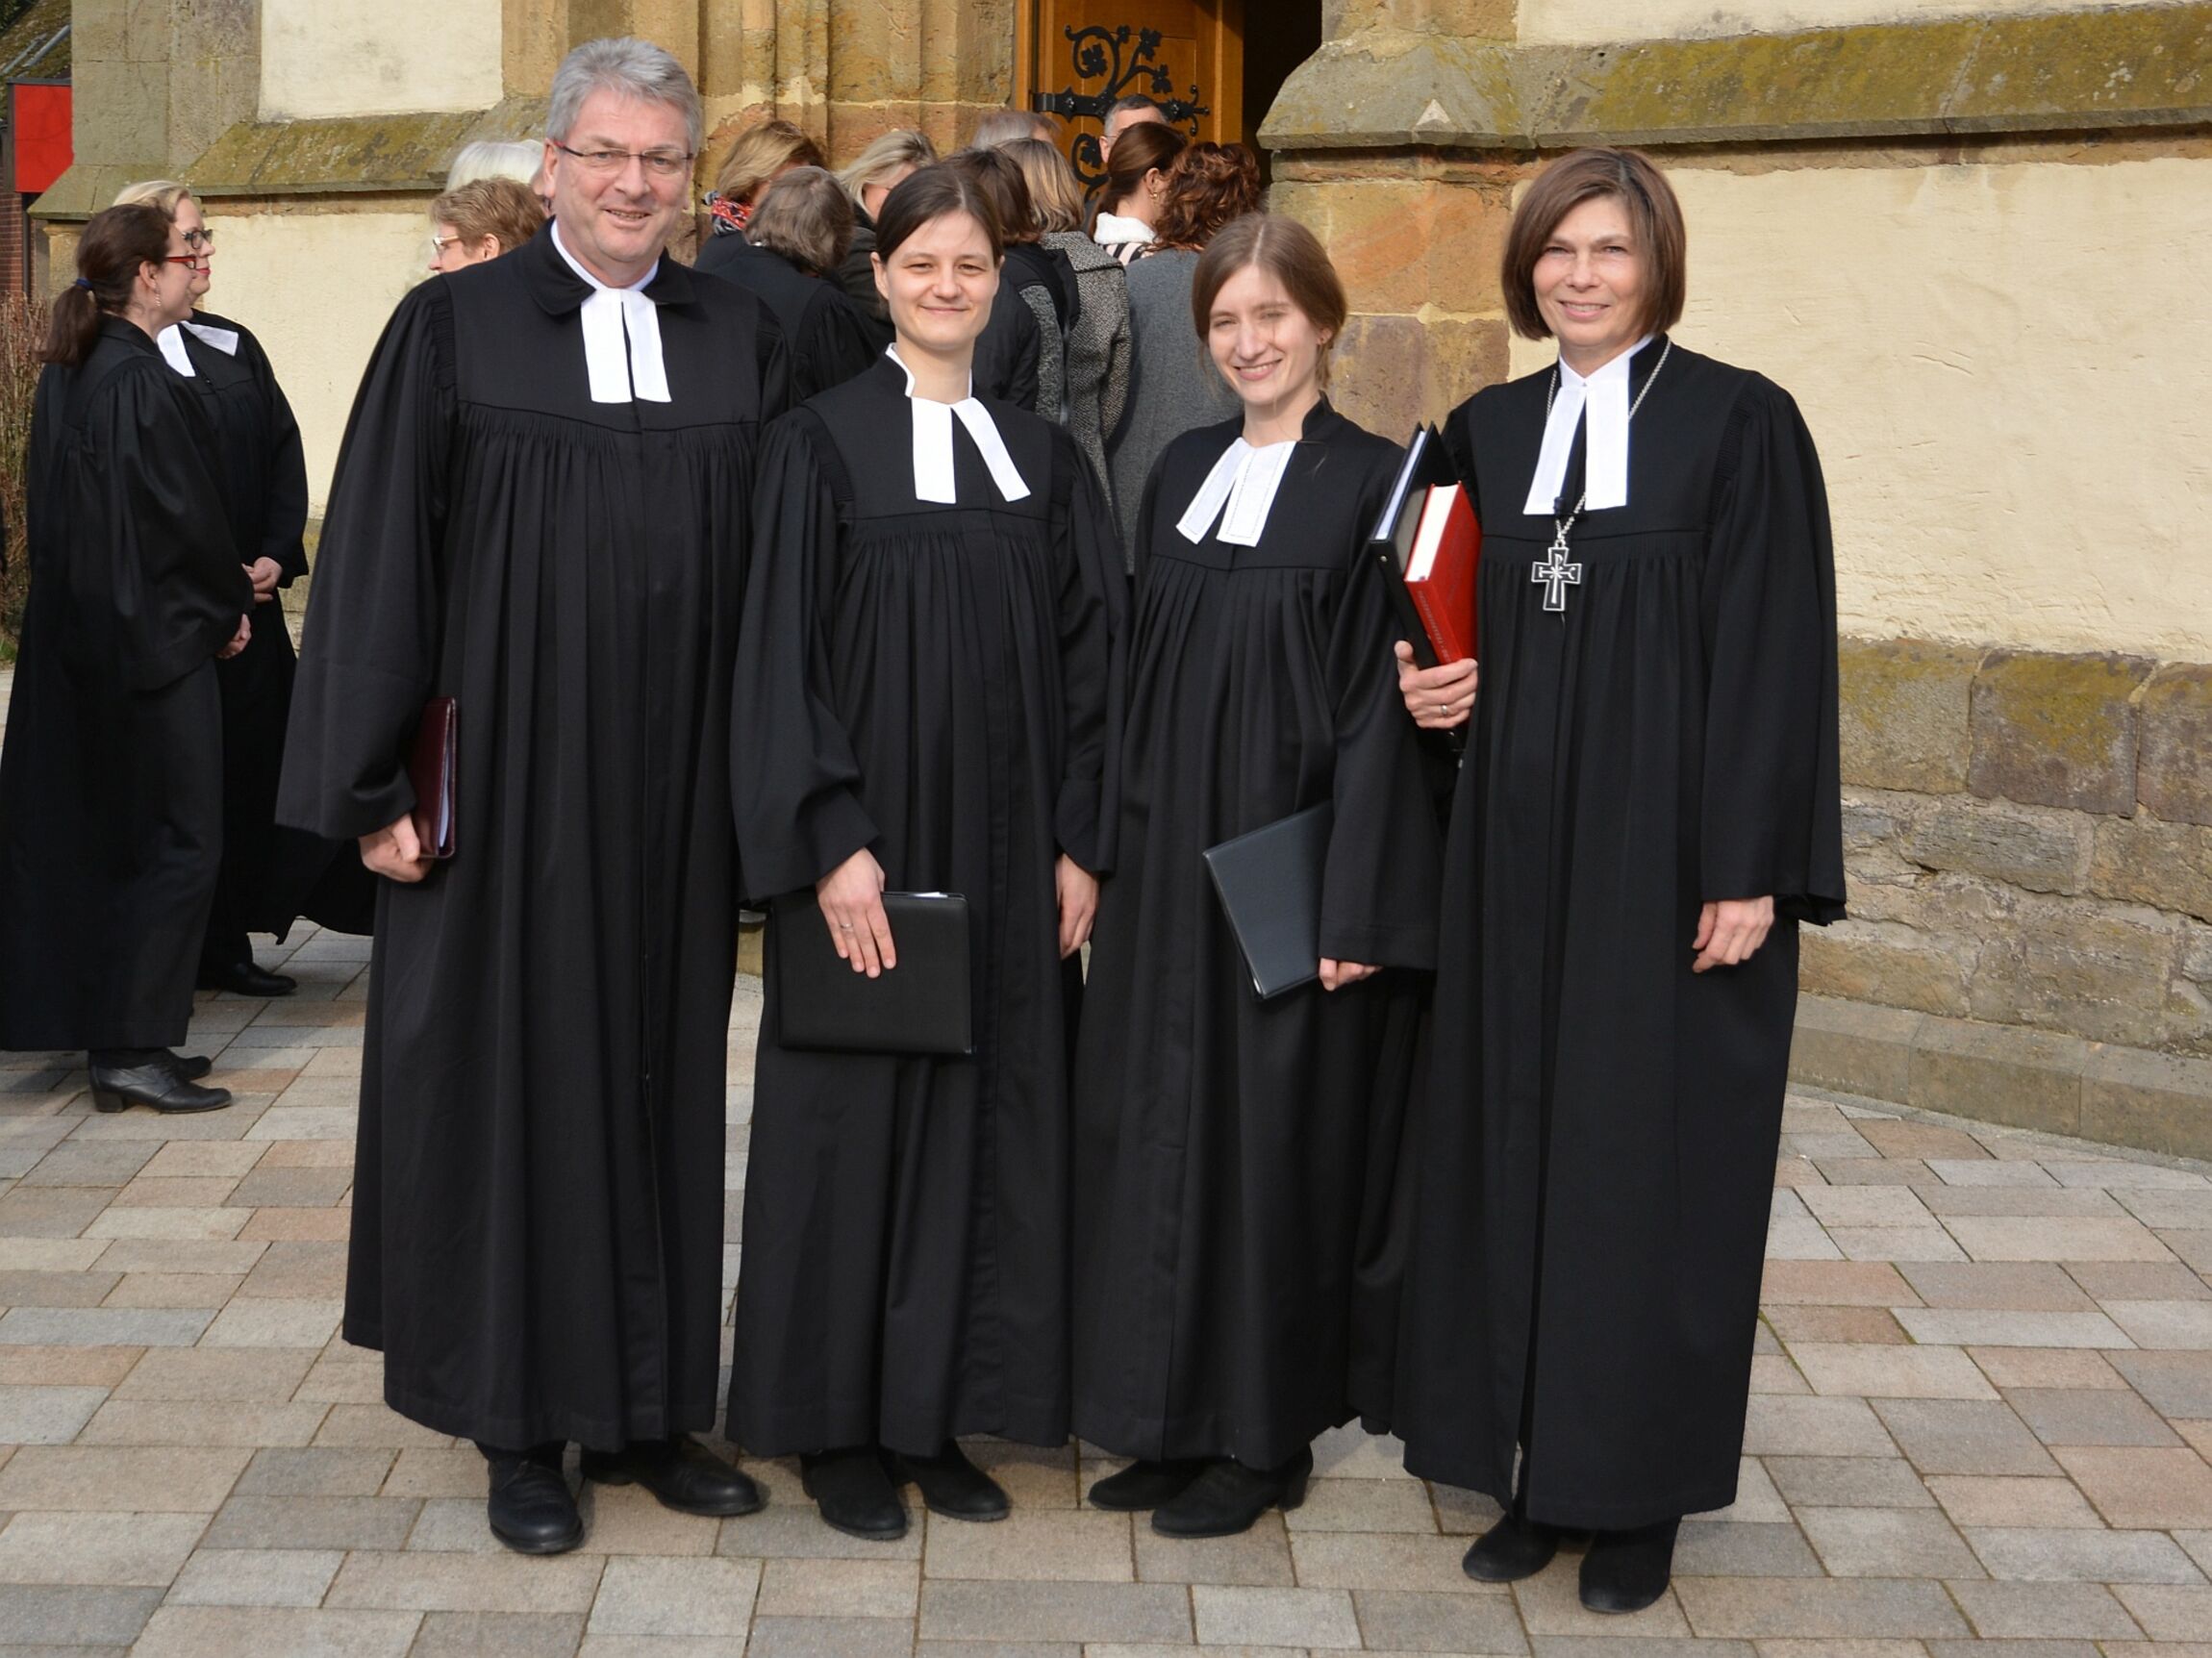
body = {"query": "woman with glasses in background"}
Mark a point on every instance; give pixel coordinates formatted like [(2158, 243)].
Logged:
[(473, 223), (111, 779), (268, 873)]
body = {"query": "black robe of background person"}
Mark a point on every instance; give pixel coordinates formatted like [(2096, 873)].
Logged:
[(269, 873), (934, 682), (826, 340), (856, 275), (111, 778), (1006, 351), (1597, 1137), (538, 1201), (1223, 1143)]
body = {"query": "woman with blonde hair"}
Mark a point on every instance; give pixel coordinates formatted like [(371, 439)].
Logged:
[(1095, 364), (869, 178), (267, 872), (481, 220), (757, 155), (1221, 1140)]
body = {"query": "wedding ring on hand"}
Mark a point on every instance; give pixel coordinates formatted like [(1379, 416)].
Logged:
[(844, 927)]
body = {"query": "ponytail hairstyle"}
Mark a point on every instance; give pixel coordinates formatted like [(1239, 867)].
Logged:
[(116, 243)]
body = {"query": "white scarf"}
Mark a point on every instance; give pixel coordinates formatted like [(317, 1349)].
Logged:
[(171, 341), (933, 470), (1111, 230), (1605, 463), (622, 337), (1239, 491)]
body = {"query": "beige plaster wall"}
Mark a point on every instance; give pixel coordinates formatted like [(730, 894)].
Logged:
[(1595, 22), (316, 289), (378, 56), (2008, 370)]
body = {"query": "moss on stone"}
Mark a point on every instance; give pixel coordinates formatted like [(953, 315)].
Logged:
[(353, 153), (2068, 71)]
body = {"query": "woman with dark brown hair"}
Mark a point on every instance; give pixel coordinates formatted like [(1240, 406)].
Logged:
[(1173, 389), (925, 692), (112, 776), (1647, 810), (1136, 181), (1221, 1140)]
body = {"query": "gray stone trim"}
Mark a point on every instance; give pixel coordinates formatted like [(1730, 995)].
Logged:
[(2007, 1074), (351, 155), (2061, 72)]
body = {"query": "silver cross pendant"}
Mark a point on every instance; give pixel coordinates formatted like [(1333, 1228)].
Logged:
[(1555, 575)]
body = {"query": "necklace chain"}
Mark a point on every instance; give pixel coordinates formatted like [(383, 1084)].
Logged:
[(1552, 395)]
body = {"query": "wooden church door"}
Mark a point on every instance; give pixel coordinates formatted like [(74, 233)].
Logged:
[(1186, 54)]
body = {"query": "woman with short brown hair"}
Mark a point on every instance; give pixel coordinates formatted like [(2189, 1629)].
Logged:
[(1647, 810), (1223, 1139)]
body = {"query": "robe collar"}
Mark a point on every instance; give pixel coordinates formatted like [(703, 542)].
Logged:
[(1241, 487), (171, 341), (559, 288), (1599, 401), (933, 467)]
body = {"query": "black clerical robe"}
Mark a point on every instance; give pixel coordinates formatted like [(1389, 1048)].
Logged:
[(267, 872), (826, 339), (538, 1207), (111, 779), (935, 683), (1597, 1134), (1222, 1143)]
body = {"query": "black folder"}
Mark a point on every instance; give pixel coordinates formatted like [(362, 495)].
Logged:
[(1269, 883), (919, 1007)]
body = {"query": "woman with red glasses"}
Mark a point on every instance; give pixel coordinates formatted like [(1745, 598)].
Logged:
[(111, 779)]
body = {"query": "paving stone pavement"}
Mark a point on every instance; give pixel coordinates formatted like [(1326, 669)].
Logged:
[(1982, 1408)]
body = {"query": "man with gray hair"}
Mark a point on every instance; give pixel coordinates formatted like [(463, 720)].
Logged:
[(541, 512)]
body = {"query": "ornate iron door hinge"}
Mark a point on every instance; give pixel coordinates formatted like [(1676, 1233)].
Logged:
[(1098, 49)]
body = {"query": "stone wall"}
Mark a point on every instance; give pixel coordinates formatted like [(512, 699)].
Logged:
[(2029, 838)]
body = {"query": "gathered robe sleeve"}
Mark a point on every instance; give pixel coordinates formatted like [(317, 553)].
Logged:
[(794, 780), (1771, 810), (163, 585), (284, 519), (375, 621), (1380, 887), (1094, 652)]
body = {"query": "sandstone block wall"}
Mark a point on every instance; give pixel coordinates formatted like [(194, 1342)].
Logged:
[(2028, 839)]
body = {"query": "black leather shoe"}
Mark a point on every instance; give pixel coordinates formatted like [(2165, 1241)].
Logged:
[(1627, 1571), (530, 1508), (192, 1067), (854, 1492), (1511, 1549), (1229, 1497), (158, 1084), (1143, 1485), (245, 979), (951, 1484), (682, 1473)]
